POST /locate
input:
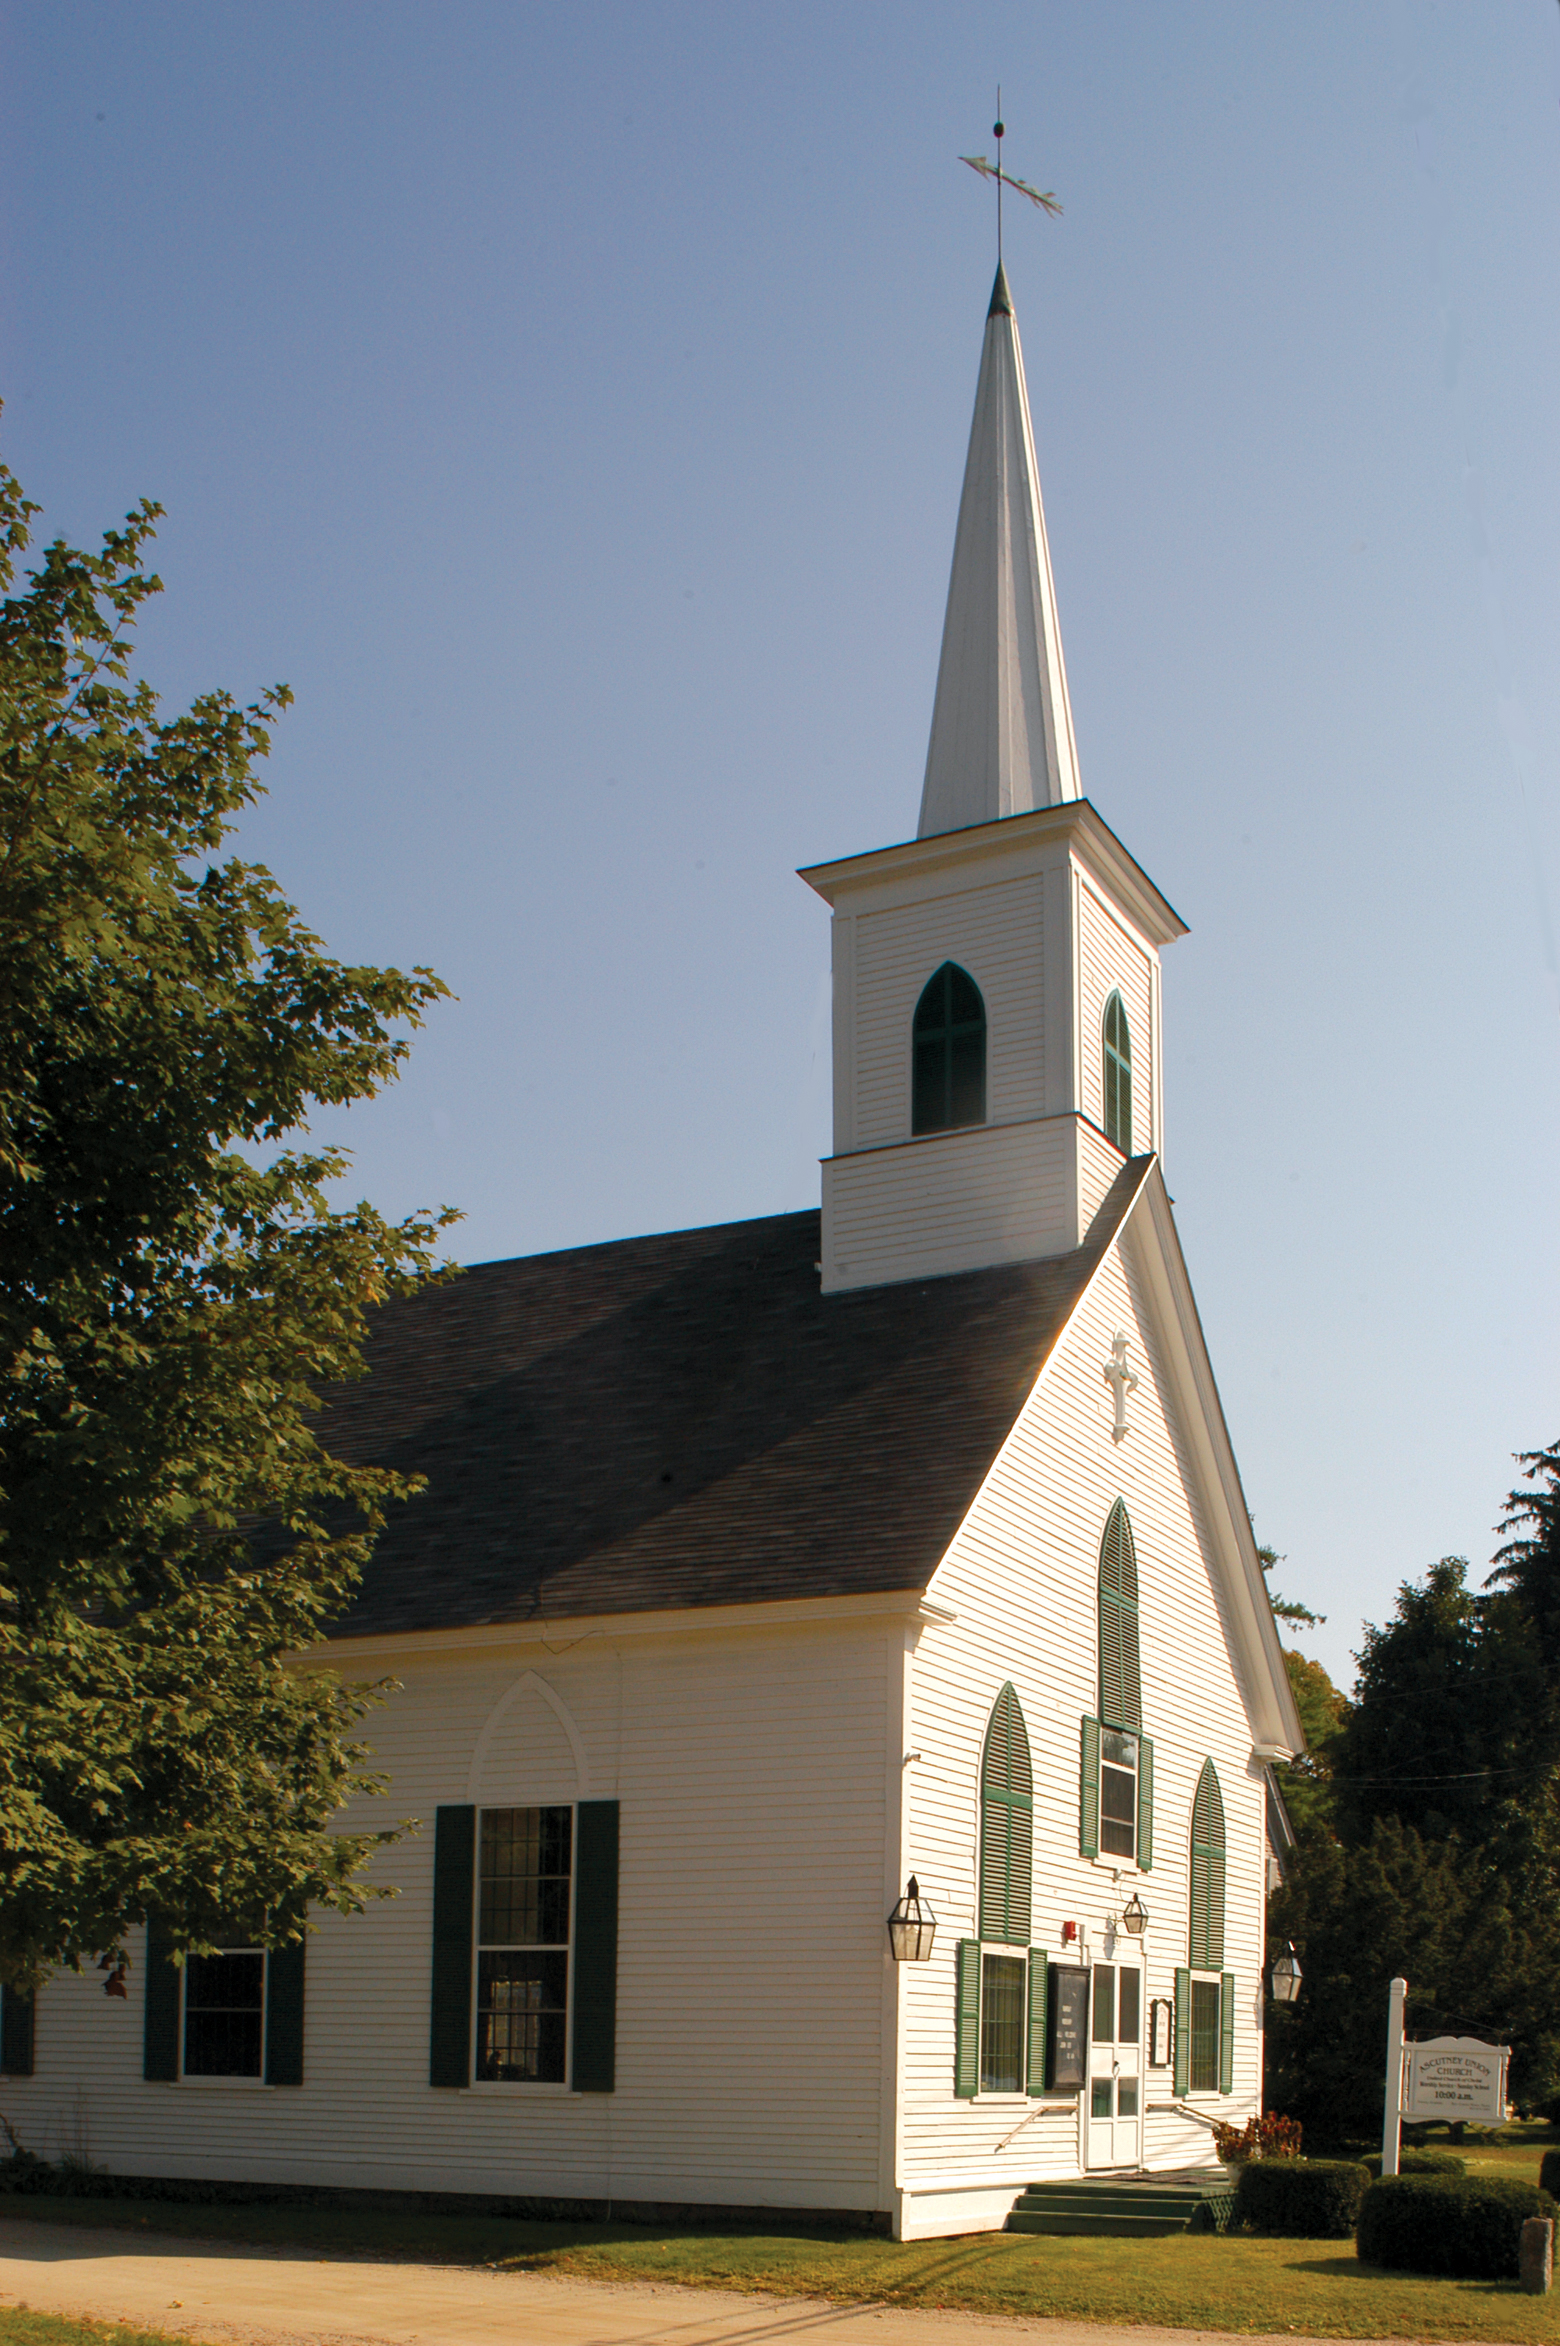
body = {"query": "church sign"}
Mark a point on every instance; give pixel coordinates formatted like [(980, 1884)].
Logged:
[(1455, 2077), (1067, 2047)]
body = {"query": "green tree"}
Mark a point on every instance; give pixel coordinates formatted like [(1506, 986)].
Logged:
[(1306, 1783), (175, 1290), (1396, 1904)]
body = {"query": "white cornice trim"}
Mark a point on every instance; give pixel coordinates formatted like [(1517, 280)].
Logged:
[(1275, 1722), (557, 1635)]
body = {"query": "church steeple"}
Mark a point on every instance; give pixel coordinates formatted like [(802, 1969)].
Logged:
[(1002, 734)]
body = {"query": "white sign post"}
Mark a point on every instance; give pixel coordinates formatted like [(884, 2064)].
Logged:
[(1457, 2077), (1392, 2106)]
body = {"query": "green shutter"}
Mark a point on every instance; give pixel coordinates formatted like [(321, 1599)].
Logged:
[(593, 2067), (160, 2043), (284, 2015), (454, 1891), (1227, 2032), (1121, 1694), (1037, 1985), (1145, 1833), (1207, 1914), (16, 2033), (1183, 2031), (966, 2021), (1006, 1824), (1089, 1791)]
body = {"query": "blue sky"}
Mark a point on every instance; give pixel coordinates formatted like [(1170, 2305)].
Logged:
[(570, 404)]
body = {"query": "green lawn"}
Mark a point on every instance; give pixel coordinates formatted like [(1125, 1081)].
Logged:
[(1181, 2282)]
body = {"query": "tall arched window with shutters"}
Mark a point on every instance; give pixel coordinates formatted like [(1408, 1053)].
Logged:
[(1116, 1793), (999, 2035), (1204, 1992), (1117, 1041), (948, 1044)]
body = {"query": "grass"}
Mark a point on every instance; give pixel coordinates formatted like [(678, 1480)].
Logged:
[(19, 2327), (1183, 2282)]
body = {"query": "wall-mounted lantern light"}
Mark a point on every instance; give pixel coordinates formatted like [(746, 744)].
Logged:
[(912, 1927), (1134, 1920), (1284, 1974)]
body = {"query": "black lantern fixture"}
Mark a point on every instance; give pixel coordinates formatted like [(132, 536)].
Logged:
[(911, 1927), (1284, 1974), (1134, 1919)]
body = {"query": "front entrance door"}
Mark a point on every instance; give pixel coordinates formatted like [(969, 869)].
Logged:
[(1115, 2066)]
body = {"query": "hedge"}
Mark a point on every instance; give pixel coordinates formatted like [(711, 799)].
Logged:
[(1431, 2224), (1549, 2173), (1305, 2199), (1421, 2162)]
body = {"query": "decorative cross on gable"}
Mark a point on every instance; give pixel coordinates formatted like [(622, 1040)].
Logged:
[(1122, 1382)]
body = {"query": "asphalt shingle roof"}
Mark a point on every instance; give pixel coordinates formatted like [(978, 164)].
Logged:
[(686, 1420)]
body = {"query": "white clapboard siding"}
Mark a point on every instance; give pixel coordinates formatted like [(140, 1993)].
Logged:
[(1021, 1578), (751, 1771), (1111, 955), (996, 933)]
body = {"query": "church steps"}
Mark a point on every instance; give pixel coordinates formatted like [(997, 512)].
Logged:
[(1124, 2206)]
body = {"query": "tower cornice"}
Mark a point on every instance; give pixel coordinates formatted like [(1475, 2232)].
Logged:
[(1011, 842)]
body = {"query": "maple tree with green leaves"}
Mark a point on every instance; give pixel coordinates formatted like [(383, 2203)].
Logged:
[(175, 1292)]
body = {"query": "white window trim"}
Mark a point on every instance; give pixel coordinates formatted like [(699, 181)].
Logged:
[(204, 2084), (1214, 2092)]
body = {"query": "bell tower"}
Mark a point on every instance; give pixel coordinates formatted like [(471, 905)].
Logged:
[(996, 979)]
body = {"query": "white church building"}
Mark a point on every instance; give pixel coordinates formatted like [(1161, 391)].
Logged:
[(766, 1566)]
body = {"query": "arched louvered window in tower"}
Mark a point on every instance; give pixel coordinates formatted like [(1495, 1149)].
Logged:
[(1006, 1824), (1118, 1075), (1121, 1698), (948, 1075), (1206, 1951)]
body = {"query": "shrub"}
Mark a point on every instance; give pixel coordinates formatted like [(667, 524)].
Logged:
[(1549, 2173), (1307, 2199), (1267, 2137), (1419, 2162), (1438, 2224)]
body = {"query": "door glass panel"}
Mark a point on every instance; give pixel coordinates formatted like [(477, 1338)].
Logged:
[(1104, 2030), (1126, 2098), (1099, 2098), (1131, 2004)]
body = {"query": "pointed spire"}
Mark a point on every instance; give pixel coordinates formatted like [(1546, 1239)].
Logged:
[(1002, 735)]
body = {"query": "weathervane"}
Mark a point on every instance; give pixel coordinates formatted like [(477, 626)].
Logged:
[(1044, 202)]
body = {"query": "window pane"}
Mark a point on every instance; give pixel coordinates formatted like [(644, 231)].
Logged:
[(1099, 2098), (1126, 2098), (1205, 2036), (1118, 1808), (525, 1877), (1104, 2003), (965, 1007), (223, 2014), (1002, 1983), (967, 1078), (1131, 2003), (520, 2017)]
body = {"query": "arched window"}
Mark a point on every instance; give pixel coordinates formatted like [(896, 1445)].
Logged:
[(1207, 1933), (1121, 1695), (1000, 2006), (1007, 1824), (949, 1044), (1118, 1075)]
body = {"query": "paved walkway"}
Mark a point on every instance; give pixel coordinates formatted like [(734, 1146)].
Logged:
[(249, 2297)]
